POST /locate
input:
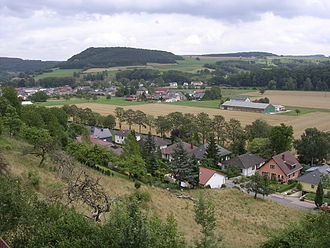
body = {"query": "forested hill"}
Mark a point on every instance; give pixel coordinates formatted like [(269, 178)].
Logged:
[(21, 65), (242, 54), (117, 56)]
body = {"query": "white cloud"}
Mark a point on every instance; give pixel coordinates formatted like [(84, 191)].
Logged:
[(47, 33)]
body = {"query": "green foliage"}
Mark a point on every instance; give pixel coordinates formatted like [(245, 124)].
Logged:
[(258, 129), (236, 136), (117, 56), (20, 65), (319, 195), (150, 154), (213, 93), (49, 82), (313, 147), (205, 217), (258, 185), (33, 177), (312, 231), (39, 96), (233, 171), (260, 147), (212, 152), (10, 94), (281, 138)]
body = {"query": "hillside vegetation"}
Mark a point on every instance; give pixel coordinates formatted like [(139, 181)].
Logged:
[(242, 54), (21, 65), (241, 220), (117, 56)]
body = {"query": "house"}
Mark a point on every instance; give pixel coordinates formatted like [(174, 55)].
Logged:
[(197, 83), (248, 163), (312, 178), (168, 152), (100, 133), (240, 99), (173, 84), (121, 135), (200, 152), (211, 178), (185, 84), (161, 90), (141, 90), (3, 244), (160, 143), (248, 106), (279, 108), (131, 98), (26, 103), (109, 145), (281, 167)]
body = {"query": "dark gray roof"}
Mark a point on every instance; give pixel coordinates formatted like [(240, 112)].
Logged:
[(200, 151), (246, 104), (100, 133), (313, 177), (245, 161), (157, 140), (325, 168)]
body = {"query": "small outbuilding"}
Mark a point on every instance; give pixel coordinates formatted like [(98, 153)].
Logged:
[(211, 178)]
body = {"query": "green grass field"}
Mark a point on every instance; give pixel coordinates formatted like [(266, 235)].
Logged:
[(58, 73), (119, 101), (303, 110)]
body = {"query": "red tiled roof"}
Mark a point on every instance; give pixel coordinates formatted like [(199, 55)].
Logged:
[(171, 149), (3, 244), (287, 162), (205, 175)]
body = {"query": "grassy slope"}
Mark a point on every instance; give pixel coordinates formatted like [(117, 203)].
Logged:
[(242, 221), (58, 73)]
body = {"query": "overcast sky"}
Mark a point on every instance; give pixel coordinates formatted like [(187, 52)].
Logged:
[(58, 29)]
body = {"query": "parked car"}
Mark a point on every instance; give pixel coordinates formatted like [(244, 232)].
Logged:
[(325, 208)]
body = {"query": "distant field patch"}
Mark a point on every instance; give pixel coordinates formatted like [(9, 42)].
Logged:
[(58, 73), (117, 101), (307, 99)]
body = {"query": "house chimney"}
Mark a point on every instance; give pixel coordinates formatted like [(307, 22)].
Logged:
[(191, 146), (283, 157)]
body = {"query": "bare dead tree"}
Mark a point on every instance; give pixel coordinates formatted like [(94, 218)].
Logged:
[(87, 190), (66, 164)]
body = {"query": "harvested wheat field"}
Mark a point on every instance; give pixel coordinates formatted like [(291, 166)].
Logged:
[(308, 99), (299, 123)]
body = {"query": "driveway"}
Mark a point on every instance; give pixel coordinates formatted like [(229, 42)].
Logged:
[(289, 201)]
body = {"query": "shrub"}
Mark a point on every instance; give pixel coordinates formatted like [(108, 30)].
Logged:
[(223, 186), (33, 177), (137, 185)]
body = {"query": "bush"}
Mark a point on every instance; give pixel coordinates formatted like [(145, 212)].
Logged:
[(33, 177), (137, 185), (223, 186)]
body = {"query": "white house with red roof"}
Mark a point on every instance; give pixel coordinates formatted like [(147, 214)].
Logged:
[(212, 178)]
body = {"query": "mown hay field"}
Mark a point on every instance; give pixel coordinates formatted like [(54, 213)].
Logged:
[(299, 123), (241, 220), (309, 99)]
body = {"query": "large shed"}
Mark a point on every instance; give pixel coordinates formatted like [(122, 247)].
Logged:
[(248, 106)]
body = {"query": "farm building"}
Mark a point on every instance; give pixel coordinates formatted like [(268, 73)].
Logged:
[(248, 106), (240, 99)]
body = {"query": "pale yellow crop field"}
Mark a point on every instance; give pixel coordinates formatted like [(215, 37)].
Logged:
[(308, 99)]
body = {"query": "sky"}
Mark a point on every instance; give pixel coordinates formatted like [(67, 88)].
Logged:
[(58, 29)]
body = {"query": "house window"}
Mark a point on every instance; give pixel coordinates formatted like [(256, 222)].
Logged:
[(293, 174), (272, 167), (312, 186)]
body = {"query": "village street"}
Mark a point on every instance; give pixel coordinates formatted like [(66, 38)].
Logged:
[(291, 201)]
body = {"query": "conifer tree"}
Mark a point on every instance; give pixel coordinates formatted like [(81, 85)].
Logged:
[(319, 195), (211, 152), (149, 154), (194, 175), (180, 165)]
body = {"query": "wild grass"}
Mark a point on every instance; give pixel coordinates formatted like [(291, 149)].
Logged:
[(242, 221)]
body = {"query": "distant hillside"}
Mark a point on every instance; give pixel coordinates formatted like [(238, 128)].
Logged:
[(21, 65), (242, 54), (117, 56)]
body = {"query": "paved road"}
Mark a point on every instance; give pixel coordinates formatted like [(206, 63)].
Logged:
[(281, 199)]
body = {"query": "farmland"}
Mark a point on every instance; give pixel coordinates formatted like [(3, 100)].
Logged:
[(316, 115)]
